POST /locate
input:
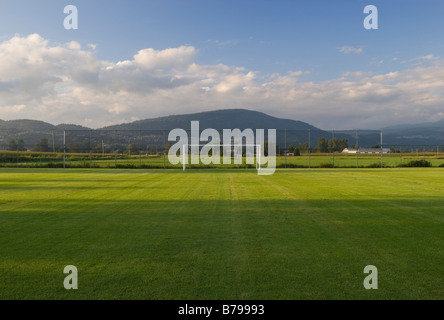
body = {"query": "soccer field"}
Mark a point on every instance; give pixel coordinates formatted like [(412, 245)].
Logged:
[(228, 234)]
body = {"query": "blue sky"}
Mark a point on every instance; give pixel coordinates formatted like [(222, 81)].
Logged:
[(321, 39)]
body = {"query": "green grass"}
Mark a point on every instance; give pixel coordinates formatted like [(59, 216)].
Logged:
[(227, 234), (84, 160)]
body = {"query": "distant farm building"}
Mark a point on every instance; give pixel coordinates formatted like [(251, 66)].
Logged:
[(290, 154), (366, 150)]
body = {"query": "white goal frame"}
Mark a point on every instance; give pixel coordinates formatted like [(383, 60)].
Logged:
[(258, 150)]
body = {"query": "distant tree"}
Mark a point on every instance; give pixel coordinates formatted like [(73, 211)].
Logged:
[(42, 146), (340, 144), (74, 147), (132, 149), (322, 145), (376, 146), (337, 145), (167, 146), (266, 148), (21, 145), (297, 152), (97, 149), (12, 145), (291, 148), (303, 147)]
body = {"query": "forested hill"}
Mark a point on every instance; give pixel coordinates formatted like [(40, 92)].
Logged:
[(32, 131), (220, 119)]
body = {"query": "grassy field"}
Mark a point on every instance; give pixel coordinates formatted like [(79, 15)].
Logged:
[(122, 161), (164, 234)]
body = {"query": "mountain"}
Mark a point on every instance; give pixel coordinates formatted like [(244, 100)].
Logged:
[(17, 126), (152, 132), (420, 134), (406, 136), (31, 131), (426, 125), (220, 119), (65, 126), (297, 131)]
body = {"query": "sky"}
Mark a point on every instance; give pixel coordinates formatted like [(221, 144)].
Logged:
[(308, 60)]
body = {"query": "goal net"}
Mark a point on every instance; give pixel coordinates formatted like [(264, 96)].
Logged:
[(222, 155)]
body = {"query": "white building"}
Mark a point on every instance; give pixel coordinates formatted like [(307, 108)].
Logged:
[(366, 150)]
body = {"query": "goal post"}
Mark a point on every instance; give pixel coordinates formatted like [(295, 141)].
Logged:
[(236, 152)]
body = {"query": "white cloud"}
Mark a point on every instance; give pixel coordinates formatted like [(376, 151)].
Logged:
[(172, 57), (349, 50), (16, 109), (74, 45), (67, 84)]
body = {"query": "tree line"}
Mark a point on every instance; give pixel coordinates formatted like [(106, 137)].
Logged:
[(324, 146)]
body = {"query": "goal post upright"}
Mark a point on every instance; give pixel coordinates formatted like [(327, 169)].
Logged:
[(259, 156), (184, 162), (64, 149)]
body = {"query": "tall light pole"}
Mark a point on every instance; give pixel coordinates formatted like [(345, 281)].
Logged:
[(357, 149), (64, 149), (333, 146), (53, 141), (309, 148), (285, 147), (381, 149)]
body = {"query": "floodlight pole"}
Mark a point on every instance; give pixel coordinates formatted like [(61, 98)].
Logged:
[(53, 141), (140, 149), (381, 149), (164, 150), (64, 149), (90, 149), (115, 152), (184, 158), (309, 148), (333, 147), (357, 149), (285, 139)]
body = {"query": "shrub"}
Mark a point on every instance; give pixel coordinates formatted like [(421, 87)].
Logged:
[(289, 165), (297, 152), (326, 165), (441, 165), (374, 165), (419, 163)]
